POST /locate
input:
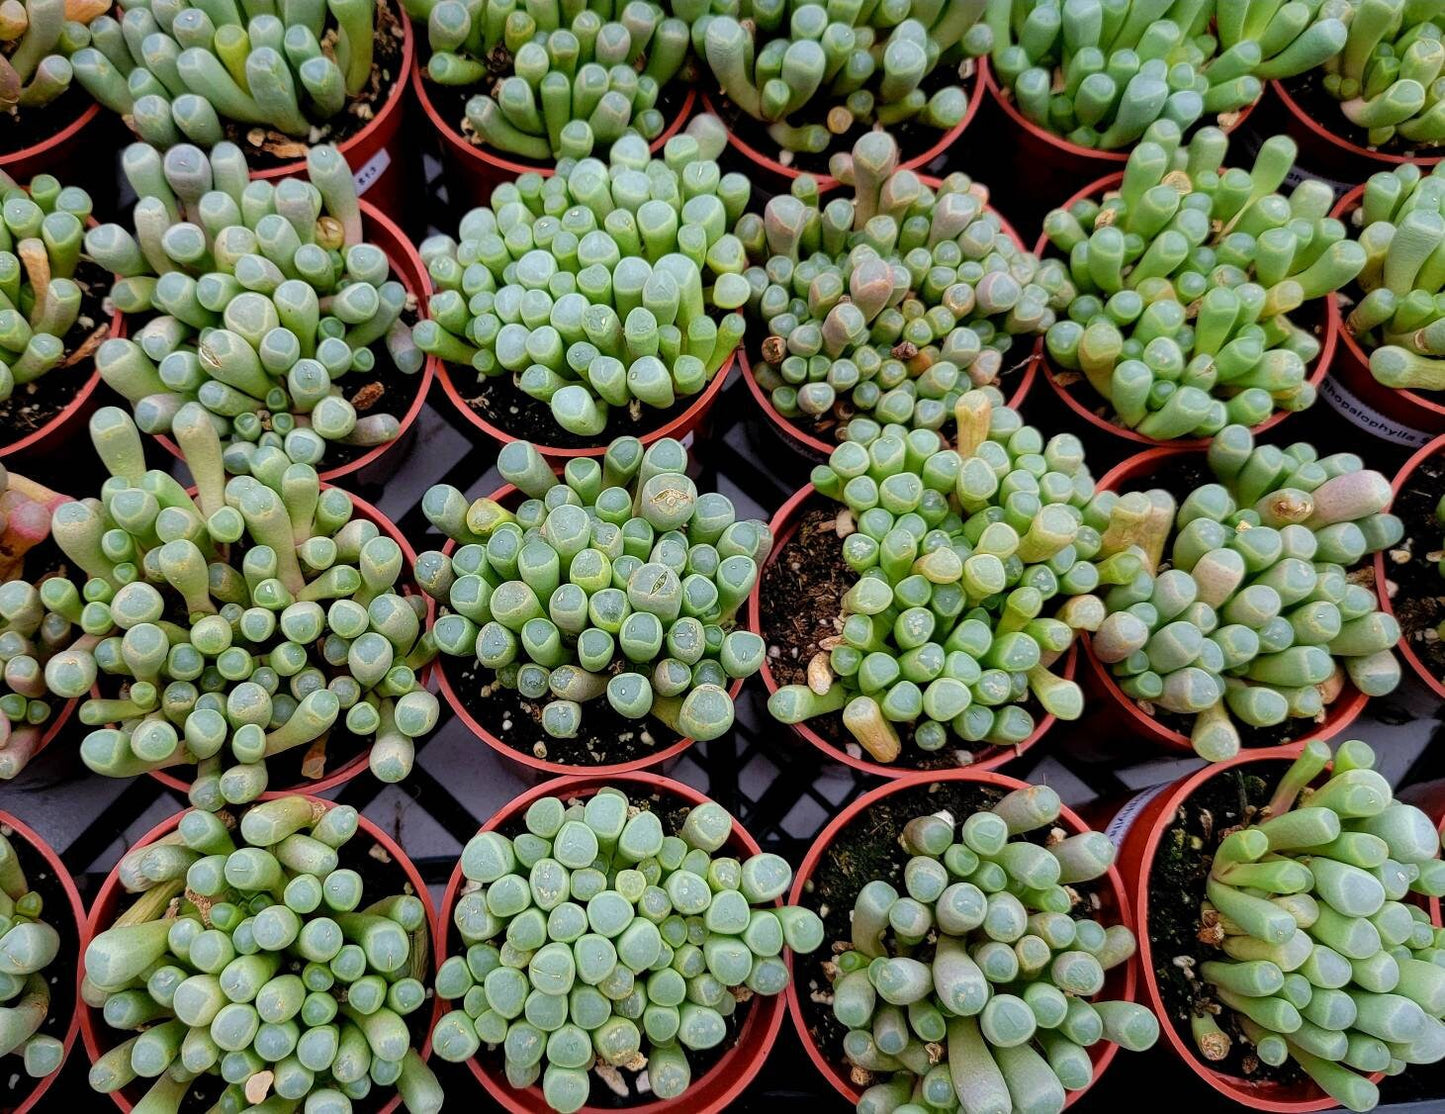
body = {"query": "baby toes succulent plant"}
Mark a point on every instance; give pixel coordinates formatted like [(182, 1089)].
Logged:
[(1103, 75), (42, 305), (619, 580), (225, 629), (894, 302), (603, 937), (261, 302), (1386, 77), (975, 568), (563, 82), (1257, 618), (810, 73), (37, 38), (203, 74), (977, 984), (32, 630), (1401, 227), (1187, 275), (603, 293), (1322, 960), (253, 965), (28, 947)]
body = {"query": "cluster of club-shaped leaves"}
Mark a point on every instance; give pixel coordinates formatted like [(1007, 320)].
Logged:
[(606, 285), (250, 956), (1187, 275), (31, 629), (811, 72), (223, 629), (1400, 319), (972, 988), (42, 240), (28, 947), (975, 569), (1256, 620), (894, 301), (253, 299), (182, 74), (37, 38), (618, 580), (1323, 959), (1103, 74), (1387, 75), (569, 73), (598, 941)]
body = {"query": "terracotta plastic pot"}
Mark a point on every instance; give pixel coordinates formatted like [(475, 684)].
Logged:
[(379, 463), (1039, 165), (74, 912), (1137, 830), (1323, 152), (100, 1038), (678, 427), (1122, 712), (357, 763), (532, 768), (377, 154), (816, 448), (1400, 415), (783, 526), (729, 1076), (1120, 984), (773, 177), (68, 154), (474, 171), (1079, 402), (1406, 650)]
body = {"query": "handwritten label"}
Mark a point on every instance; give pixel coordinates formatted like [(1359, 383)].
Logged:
[(1347, 403), (375, 167), (1124, 820)]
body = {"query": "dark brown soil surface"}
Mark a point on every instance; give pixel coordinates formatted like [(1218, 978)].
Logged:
[(21, 128), (801, 601), (672, 813), (608, 739), (1419, 596), (498, 400), (914, 137), (1176, 889), (58, 914), (40, 401), (266, 148)]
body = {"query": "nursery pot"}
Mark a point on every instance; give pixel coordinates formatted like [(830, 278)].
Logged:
[(1382, 572), (1323, 152), (67, 153), (710, 1092), (817, 449), (1137, 831), (773, 176), (358, 762), (1119, 985), (1401, 415), (678, 426), (1121, 711), (783, 526), (473, 171), (537, 770), (377, 154), (69, 921), (1079, 401), (406, 265), (1040, 165), (109, 902)]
